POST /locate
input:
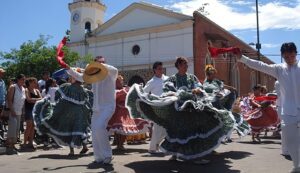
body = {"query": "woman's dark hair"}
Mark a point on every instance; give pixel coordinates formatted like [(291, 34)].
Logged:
[(180, 60), (48, 84), (136, 79), (288, 47), (256, 87), (29, 80), (20, 76), (61, 81), (13, 80)]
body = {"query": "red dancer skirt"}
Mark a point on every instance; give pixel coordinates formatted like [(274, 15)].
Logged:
[(261, 118)]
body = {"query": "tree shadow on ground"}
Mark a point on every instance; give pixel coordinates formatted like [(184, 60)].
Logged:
[(105, 167), (219, 163), (262, 142), (60, 157), (271, 137), (102, 168), (128, 151)]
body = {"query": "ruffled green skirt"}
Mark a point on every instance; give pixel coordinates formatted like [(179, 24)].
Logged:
[(242, 127), (194, 127), (67, 120)]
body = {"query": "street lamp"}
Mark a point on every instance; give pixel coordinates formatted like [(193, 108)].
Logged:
[(258, 45)]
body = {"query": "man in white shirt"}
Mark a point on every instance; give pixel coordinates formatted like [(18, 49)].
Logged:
[(104, 104), (42, 82), (287, 75), (154, 86)]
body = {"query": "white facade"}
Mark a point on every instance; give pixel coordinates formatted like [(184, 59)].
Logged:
[(159, 34), (139, 18)]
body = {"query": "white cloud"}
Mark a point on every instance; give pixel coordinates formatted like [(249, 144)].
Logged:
[(242, 2), (270, 45), (273, 15)]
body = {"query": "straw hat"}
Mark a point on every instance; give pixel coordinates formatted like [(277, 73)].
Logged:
[(94, 72)]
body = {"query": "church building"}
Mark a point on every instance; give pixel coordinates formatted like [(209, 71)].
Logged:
[(143, 33)]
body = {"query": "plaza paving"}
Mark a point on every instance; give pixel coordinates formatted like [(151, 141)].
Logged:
[(239, 156)]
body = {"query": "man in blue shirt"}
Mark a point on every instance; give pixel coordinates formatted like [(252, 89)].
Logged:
[(2, 100), (2, 88)]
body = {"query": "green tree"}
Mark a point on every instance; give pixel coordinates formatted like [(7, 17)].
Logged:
[(33, 58), (84, 61)]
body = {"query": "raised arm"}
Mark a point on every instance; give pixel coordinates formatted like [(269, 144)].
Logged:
[(259, 65), (73, 73), (112, 71)]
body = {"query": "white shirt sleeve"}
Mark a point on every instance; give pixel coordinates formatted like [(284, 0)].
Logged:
[(260, 66), (148, 87), (75, 74), (112, 71), (41, 83)]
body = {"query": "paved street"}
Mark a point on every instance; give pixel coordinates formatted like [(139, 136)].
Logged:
[(238, 156)]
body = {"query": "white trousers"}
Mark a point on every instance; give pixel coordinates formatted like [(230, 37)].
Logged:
[(14, 123), (291, 131), (100, 136), (284, 150), (158, 134)]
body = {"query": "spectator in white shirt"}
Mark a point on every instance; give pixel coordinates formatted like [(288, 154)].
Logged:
[(42, 82)]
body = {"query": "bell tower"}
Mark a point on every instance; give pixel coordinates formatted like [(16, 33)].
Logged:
[(86, 15)]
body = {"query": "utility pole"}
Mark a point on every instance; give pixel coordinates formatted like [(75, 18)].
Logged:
[(258, 45)]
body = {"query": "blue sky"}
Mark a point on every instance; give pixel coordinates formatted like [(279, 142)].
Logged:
[(25, 20)]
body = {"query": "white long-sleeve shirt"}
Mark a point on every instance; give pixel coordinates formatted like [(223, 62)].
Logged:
[(289, 79), (103, 91), (155, 85)]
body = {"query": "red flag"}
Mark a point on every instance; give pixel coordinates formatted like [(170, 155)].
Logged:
[(216, 51), (60, 53), (266, 98)]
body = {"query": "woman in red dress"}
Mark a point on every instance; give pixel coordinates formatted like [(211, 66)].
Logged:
[(262, 115), (121, 124)]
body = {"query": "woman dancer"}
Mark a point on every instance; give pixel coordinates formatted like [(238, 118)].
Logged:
[(184, 105), (68, 119)]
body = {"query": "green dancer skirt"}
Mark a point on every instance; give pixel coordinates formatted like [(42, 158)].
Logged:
[(68, 119), (194, 127)]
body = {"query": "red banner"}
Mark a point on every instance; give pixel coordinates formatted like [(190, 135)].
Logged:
[(265, 98), (60, 53), (216, 51)]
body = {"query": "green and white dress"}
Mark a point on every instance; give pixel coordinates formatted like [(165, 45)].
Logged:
[(194, 127), (221, 97), (68, 119), (214, 89)]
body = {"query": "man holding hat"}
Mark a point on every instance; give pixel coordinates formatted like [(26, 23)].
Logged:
[(103, 79)]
